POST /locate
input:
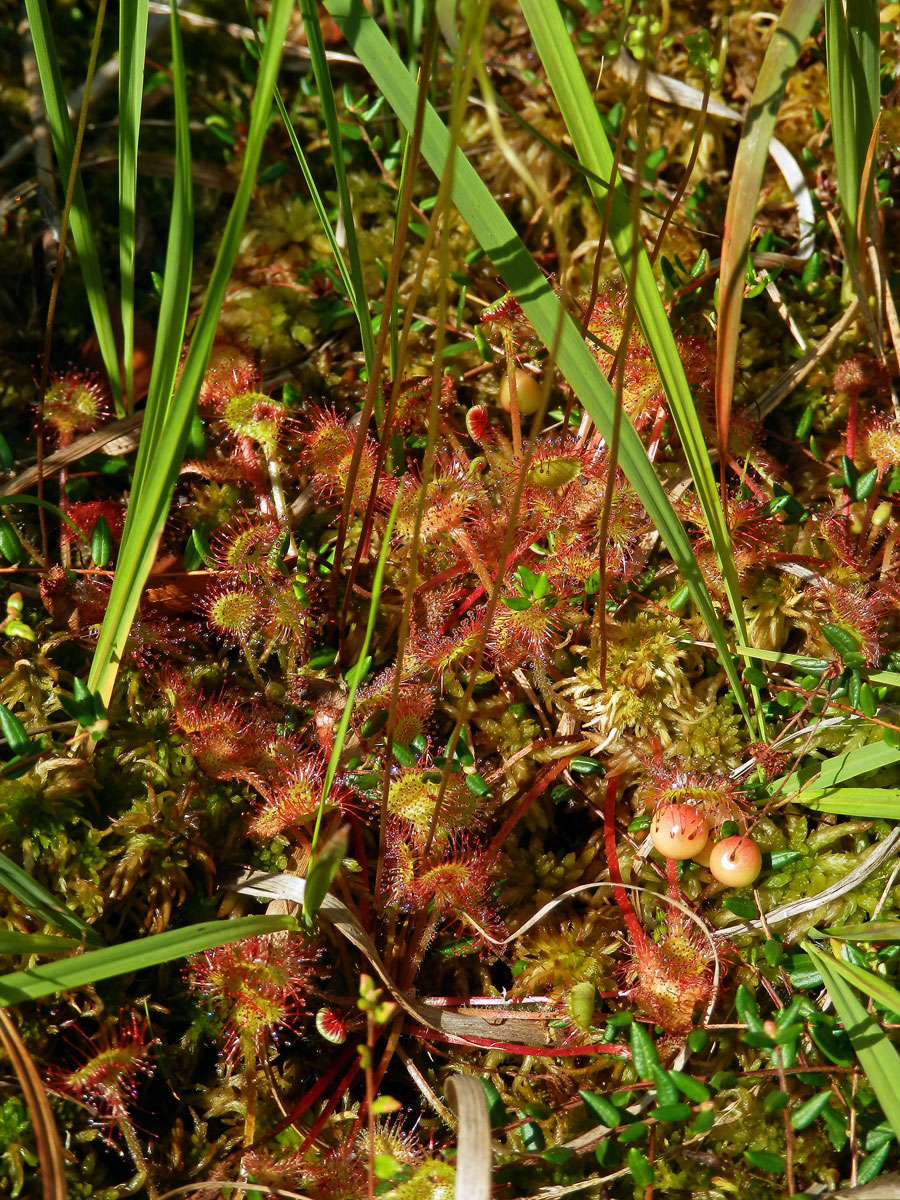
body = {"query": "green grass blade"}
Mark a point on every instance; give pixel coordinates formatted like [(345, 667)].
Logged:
[(837, 770), (554, 45), (166, 436), (363, 315), (79, 218), (875, 1052), (310, 14), (96, 965), (525, 279), (793, 28), (868, 931), (852, 55), (44, 904), (13, 942), (132, 46), (175, 297), (883, 803)]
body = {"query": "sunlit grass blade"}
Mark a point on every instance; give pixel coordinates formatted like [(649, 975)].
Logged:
[(79, 218), (126, 957), (883, 803), (322, 73), (874, 1050), (837, 770), (852, 54), (542, 307), (166, 428), (554, 45), (868, 931), (44, 904), (793, 28), (132, 45)]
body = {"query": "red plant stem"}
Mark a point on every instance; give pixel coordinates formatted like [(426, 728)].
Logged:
[(612, 858), (437, 1035), (312, 1095), (672, 878), (852, 418), (544, 778), (329, 1107)]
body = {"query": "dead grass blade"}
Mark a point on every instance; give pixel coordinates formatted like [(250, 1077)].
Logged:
[(473, 1154), (49, 1147), (790, 33), (498, 1028)]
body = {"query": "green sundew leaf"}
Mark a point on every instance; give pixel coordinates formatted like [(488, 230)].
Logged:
[(322, 871), (854, 802), (14, 731), (810, 1111), (169, 415), (785, 44), (643, 1051), (96, 965), (690, 1087), (601, 1109), (323, 74), (43, 903), (640, 1168), (765, 1160), (56, 104), (875, 1052), (869, 931), (132, 46), (525, 279), (579, 111), (13, 942)]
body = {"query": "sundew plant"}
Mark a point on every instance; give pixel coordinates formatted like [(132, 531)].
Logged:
[(450, 687)]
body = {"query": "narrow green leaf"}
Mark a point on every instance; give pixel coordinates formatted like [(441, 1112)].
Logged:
[(643, 1050), (310, 13), (56, 104), (561, 63), (810, 1111), (525, 279), (872, 985), (132, 46), (875, 1052), (13, 942), (640, 1168), (167, 424), (43, 903), (600, 1109), (869, 931), (854, 802), (690, 1087), (322, 871), (133, 956), (14, 731)]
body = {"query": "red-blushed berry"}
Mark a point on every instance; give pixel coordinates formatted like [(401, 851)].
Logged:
[(736, 861), (678, 830)]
